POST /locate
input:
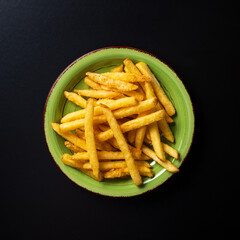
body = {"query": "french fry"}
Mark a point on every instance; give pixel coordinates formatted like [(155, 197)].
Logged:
[(127, 77), (106, 155), (69, 136), (133, 124), (90, 140), (123, 172), (96, 93), (153, 127), (167, 117), (144, 69), (112, 104), (170, 151), (156, 142), (166, 130), (66, 159), (107, 81), (72, 147), (140, 132), (123, 145), (75, 98), (119, 113), (166, 164), (130, 66), (139, 137), (164, 127), (108, 165), (117, 69), (92, 84)]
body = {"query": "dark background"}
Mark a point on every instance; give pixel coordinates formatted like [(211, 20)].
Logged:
[(198, 39)]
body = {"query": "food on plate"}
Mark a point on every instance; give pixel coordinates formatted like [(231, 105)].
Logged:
[(124, 122)]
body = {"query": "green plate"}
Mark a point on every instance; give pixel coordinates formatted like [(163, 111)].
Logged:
[(103, 60)]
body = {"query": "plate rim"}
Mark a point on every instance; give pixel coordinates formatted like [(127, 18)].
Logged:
[(70, 65)]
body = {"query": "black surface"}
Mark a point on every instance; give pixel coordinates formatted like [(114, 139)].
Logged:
[(198, 39)]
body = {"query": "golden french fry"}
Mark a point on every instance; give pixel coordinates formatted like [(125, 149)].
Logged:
[(127, 77), (66, 159), (75, 98), (144, 69), (133, 124), (170, 151), (106, 155), (96, 93), (69, 136), (72, 147), (139, 137), (140, 132), (153, 127), (156, 140), (92, 84), (123, 145), (107, 81), (166, 130), (131, 68), (167, 117), (166, 164), (123, 172), (108, 165), (117, 69), (90, 140), (112, 104), (119, 113)]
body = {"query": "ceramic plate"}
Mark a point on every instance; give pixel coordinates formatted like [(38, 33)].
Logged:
[(103, 60)]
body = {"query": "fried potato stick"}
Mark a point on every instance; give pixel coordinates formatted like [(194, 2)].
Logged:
[(153, 128), (96, 93), (117, 69), (144, 69), (124, 172), (108, 165), (133, 170), (90, 140), (72, 147), (75, 98), (106, 155), (127, 77)]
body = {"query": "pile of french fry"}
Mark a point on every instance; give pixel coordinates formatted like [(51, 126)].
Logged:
[(126, 112)]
